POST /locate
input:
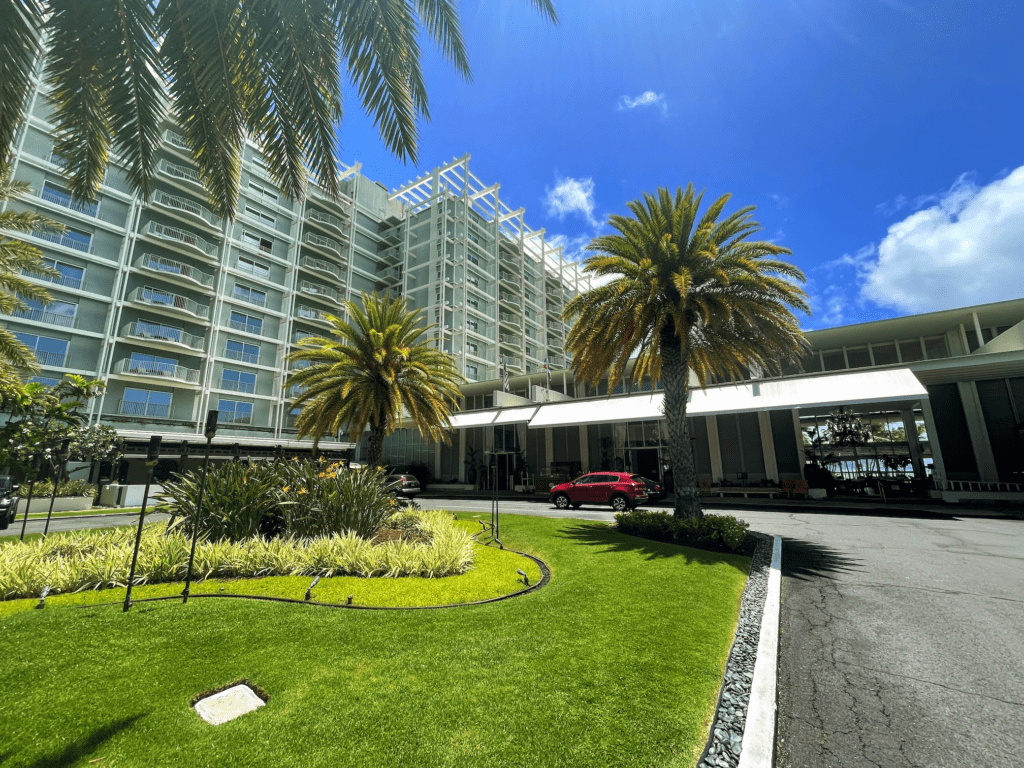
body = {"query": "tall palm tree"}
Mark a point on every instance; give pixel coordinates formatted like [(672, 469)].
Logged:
[(269, 68), (688, 293), (376, 370), (16, 258)]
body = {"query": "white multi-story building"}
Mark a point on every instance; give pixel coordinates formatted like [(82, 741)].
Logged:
[(181, 311)]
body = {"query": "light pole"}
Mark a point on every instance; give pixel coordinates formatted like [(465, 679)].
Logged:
[(152, 457), (211, 432), (34, 469), (62, 460)]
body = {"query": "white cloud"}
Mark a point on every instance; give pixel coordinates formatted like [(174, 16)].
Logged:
[(570, 196), (966, 248), (645, 99)]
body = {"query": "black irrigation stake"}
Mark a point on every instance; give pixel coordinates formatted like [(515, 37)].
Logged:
[(28, 503), (211, 432), (152, 457), (62, 461)]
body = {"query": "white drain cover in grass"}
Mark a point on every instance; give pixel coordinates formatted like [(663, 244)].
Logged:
[(228, 704)]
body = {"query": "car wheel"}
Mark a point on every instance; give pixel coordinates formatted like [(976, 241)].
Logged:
[(620, 503), (561, 501)]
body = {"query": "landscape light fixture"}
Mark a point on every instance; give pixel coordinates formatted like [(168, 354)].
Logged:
[(209, 433), (34, 469), (62, 460), (152, 458)]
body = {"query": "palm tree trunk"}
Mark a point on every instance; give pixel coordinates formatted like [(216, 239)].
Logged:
[(376, 444), (675, 374)]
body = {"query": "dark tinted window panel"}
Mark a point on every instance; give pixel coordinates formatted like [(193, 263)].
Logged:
[(885, 354), (954, 438), (699, 441), (936, 347), (750, 434), (729, 443), (911, 351), (787, 457), (812, 363), (1000, 421), (1017, 393), (834, 361), (858, 357)]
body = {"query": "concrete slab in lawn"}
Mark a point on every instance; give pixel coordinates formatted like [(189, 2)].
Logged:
[(228, 704)]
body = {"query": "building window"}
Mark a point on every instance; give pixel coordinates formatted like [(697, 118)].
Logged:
[(246, 323), (152, 365), (150, 330), (55, 194), (474, 303), (70, 275), (55, 313), (262, 216), (156, 296), (49, 352), (263, 243), (234, 412), (238, 381), (46, 381), (254, 268), (250, 295), (247, 353), (143, 402), (263, 191)]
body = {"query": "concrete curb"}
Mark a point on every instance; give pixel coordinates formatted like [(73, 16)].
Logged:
[(758, 749)]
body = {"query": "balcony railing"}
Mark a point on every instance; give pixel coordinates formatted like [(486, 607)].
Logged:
[(52, 359), (185, 205), (73, 240), (256, 329), (149, 410), (235, 417), (169, 301), (309, 313), (320, 217), (182, 172), (319, 290), (256, 270), (245, 357), (156, 369), (507, 297), (50, 318), (251, 297), (508, 338), (66, 281), (64, 199), (247, 387), (322, 266), (161, 264), (508, 318), (177, 140), (391, 274), (324, 242), (151, 331), (180, 236)]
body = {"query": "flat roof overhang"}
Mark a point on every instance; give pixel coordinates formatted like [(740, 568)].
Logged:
[(227, 441), (893, 385)]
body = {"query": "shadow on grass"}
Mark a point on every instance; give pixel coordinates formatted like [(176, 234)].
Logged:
[(805, 560), (84, 746), (601, 535)]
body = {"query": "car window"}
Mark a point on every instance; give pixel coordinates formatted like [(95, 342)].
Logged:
[(638, 479), (607, 479), (586, 479)]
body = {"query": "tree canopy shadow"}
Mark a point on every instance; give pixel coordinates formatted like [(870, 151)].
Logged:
[(84, 746), (606, 539), (804, 560)]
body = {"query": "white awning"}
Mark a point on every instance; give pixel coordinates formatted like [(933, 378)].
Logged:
[(603, 411), (520, 415)]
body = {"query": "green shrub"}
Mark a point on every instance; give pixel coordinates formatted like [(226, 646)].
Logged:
[(325, 499), (66, 489), (100, 559), (716, 532)]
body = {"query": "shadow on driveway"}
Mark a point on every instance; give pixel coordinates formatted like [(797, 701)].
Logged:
[(804, 560)]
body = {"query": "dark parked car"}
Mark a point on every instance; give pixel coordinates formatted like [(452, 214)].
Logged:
[(654, 490), (405, 485), (8, 501), (620, 489)]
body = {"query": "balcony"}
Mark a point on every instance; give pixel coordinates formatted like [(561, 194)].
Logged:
[(555, 327), (392, 236), (393, 275), (169, 301), (324, 244), (235, 417), (315, 315), (245, 357), (177, 141), (50, 318), (182, 175), (156, 370), (52, 359), (508, 278), (181, 239), (64, 281), (246, 387), (162, 335), (508, 298), (175, 270), (325, 267), (255, 328), (507, 317), (510, 340), (190, 210), (325, 220), (74, 240), (144, 410), (256, 298), (322, 291), (64, 199)]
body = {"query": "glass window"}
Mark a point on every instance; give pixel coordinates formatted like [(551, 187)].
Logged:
[(253, 268), (812, 362), (242, 322), (55, 313), (250, 295), (238, 381), (144, 402), (152, 330), (910, 350), (935, 347), (49, 352), (884, 354), (858, 357), (264, 244), (153, 365), (234, 412), (46, 381), (238, 350), (70, 275), (262, 190), (834, 360), (255, 213)]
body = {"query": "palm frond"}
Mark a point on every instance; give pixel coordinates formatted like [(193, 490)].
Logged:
[(20, 46)]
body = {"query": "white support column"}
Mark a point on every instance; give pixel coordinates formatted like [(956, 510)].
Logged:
[(938, 468), (799, 433), (910, 427), (983, 455), (771, 466), (977, 329), (714, 449), (462, 456), (584, 449)]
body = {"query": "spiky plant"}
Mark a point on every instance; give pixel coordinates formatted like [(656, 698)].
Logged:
[(376, 370), (688, 293), (267, 68)]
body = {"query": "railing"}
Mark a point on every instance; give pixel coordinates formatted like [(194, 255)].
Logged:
[(161, 264), (507, 297), (250, 297), (169, 300), (64, 199), (508, 338), (140, 329), (187, 206), (66, 281), (318, 290), (556, 327), (176, 139), (50, 318), (300, 335), (52, 359), (253, 269), (323, 242), (506, 317), (394, 273), (325, 218), (160, 370), (256, 329), (74, 240), (247, 387), (181, 172), (235, 417), (322, 266), (245, 357), (977, 485), (151, 410), (514, 362), (181, 236), (311, 314)]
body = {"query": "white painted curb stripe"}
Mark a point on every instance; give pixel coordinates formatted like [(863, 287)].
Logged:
[(758, 748)]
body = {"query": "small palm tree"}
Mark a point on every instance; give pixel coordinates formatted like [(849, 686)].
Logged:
[(16, 258), (689, 293), (376, 370), (267, 68)]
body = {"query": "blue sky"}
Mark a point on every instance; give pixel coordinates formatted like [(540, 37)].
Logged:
[(881, 140)]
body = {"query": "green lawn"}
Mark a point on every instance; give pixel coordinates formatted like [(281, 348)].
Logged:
[(616, 662), (83, 512)]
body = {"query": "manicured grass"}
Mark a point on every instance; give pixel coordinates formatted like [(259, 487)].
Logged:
[(85, 512), (616, 662)]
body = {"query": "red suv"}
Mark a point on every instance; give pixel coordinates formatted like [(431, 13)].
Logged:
[(620, 489)]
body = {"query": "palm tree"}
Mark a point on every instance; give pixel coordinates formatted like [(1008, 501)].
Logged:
[(376, 370), (16, 258), (688, 293), (266, 68)]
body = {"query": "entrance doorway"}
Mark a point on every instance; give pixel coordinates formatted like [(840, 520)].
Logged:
[(644, 462)]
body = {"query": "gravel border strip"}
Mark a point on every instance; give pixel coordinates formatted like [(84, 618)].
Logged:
[(726, 735)]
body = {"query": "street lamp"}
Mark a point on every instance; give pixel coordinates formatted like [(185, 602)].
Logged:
[(211, 432), (62, 460), (152, 458)]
